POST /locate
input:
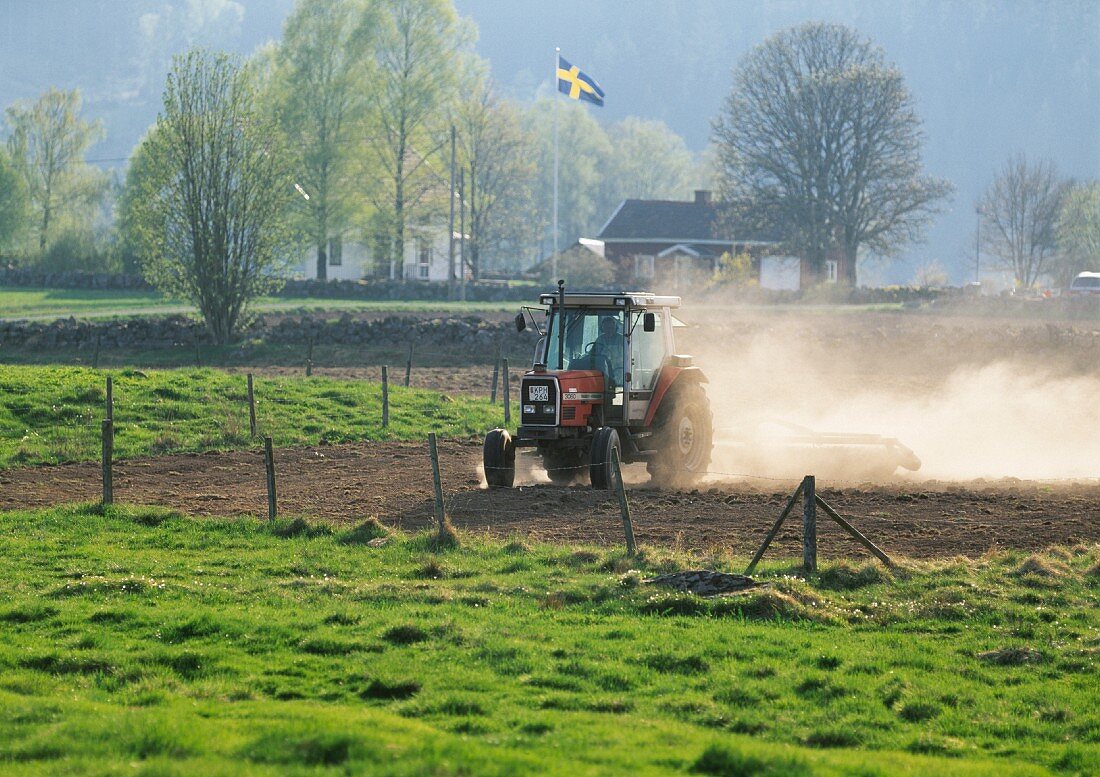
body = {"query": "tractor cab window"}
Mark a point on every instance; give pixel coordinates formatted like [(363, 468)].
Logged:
[(647, 351), (594, 340)]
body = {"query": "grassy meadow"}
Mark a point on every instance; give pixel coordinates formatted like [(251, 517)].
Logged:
[(137, 641), (111, 303), (51, 415)]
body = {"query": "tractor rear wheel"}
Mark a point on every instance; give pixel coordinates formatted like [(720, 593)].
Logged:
[(684, 436), (601, 465), (499, 459)]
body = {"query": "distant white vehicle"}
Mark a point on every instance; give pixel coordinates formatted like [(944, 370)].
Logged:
[(1085, 283)]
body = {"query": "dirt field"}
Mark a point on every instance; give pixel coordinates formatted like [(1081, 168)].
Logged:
[(393, 482)]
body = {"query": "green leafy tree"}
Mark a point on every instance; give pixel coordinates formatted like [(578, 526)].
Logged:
[(580, 267), (48, 142), (321, 89), (14, 210), (420, 50), (208, 191), (1019, 213), (648, 161), (735, 270), (584, 151), (819, 140), (1078, 232)]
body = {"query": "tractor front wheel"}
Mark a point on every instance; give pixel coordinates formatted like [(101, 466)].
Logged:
[(601, 464), (684, 434), (499, 459)]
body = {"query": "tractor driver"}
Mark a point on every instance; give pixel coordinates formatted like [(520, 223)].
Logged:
[(609, 344)]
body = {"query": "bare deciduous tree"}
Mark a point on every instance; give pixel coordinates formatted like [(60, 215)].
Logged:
[(48, 141), (208, 191), (819, 141), (1019, 214), (500, 161)]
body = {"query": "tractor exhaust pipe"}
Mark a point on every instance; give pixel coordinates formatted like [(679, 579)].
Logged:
[(561, 325)]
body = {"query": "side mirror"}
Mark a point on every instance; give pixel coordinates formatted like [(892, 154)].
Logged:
[(649, 322), (521, 322)]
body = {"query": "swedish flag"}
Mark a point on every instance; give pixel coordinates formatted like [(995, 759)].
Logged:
[(577, 85)]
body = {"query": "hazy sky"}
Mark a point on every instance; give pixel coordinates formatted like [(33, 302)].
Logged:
[(989, 78)]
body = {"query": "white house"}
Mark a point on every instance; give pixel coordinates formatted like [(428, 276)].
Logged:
[(426, 259)]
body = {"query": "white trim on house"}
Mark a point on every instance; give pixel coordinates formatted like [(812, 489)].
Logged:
[(687, 240), (607, 223), (681, 248)]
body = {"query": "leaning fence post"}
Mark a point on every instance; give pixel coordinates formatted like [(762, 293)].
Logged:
[(440, 515), (385, 396), (852, 530), (809, 524), (110, 408), (624, 506), (507, 393), (775, 529), (108, 434), (409, 366), (269, 461), (251, 407)]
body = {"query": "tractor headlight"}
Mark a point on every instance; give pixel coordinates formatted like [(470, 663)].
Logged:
[(529, 408)]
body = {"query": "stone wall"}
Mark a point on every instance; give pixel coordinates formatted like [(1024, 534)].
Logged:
[(463, 334)]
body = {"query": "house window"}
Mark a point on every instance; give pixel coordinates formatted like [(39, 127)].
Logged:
[(830, 271), (336, 251), (424, 259), (643, 266)]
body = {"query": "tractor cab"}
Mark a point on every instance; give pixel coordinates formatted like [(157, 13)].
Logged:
[(604, 367)]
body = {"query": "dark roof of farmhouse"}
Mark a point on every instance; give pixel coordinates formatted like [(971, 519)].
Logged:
[(672, 221)]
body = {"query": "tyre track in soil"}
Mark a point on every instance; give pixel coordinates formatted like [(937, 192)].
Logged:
[(392, 481)]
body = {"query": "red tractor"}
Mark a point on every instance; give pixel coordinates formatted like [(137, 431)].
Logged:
[(607, 382)]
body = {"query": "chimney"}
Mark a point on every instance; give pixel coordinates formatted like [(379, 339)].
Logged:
[(703, 197)]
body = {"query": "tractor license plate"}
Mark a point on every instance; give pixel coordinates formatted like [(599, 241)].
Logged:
[(539, 393)]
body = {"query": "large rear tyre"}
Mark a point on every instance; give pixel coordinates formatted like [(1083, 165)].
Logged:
[(684, 436), (601, 465), (499, 459)]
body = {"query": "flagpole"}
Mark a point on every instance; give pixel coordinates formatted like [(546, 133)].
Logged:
[(554, 86)]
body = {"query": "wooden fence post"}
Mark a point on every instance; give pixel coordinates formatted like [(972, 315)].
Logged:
[(110, 399), (409, 366), (198, 355), (309, 358), (95, 356), (852, 530), (809, 523), (385, 396), (440, 514), (251, 407), (269, 462), (108, 434), (507, 393), (496, 377), (624, 506), (775, 529)]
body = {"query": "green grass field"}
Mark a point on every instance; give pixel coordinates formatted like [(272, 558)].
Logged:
[(136, 641), (91, 303), (50, 415)]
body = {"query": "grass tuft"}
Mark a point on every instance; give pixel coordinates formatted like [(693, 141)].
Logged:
[(370, 529), (1011, 656), (405, 634), (729, 761)]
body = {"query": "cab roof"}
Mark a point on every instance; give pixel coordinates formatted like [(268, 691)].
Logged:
[(603, 299)]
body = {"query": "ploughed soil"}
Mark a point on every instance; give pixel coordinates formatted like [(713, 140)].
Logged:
[(393, 482)]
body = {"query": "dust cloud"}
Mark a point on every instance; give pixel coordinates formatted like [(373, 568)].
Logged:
[(966, 408)]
